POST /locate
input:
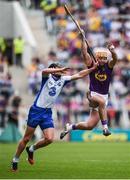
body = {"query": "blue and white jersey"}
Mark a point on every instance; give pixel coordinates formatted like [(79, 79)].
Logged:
[(49, 91)]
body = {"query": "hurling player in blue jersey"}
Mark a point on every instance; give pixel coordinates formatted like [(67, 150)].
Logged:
[(40, 113)]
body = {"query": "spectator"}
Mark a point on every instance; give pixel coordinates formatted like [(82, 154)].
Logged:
[(52, 57), (49, 7), (2, 45), (3, 109), (18, 44), (34, 75), (13, 114)]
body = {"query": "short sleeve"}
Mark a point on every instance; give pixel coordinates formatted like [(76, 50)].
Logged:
[(66, 78)]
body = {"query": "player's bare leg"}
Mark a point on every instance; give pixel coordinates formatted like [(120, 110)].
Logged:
[(88, 125), (21, 146), (102, 112), (48, 139), (103, 116)]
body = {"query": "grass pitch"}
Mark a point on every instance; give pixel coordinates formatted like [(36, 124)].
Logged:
[(70, 161)]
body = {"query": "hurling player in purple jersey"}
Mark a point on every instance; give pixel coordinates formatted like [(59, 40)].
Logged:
[(98, 90)]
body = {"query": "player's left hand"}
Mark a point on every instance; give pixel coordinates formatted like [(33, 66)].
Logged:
[(111, 47)]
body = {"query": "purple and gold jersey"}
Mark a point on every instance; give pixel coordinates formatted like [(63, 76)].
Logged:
[(100, 79)]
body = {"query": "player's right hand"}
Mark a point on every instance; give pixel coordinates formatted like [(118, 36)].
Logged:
[(65, 68), (95, 65)]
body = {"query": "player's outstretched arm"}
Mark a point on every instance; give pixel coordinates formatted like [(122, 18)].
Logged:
[(86, 57), (114, 56), (54, 70), (83, 73)]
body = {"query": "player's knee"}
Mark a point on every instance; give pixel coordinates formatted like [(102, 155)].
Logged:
[(102, 103), (87, 126), (90, 127), (95, 119), (26, 140), (49, 139)]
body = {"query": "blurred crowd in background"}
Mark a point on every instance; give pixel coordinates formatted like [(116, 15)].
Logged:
[(103, 21), (9, 100)]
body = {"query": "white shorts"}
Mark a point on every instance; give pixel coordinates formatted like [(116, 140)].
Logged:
[(104, 96)]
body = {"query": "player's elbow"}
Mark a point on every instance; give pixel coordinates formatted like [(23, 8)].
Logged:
[(82, 76), (44, 71), (77, 76)]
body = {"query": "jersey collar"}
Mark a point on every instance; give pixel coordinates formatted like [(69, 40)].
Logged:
[(55, 78)]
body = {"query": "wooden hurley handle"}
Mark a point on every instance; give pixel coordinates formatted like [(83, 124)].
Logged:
[(80, 30)]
